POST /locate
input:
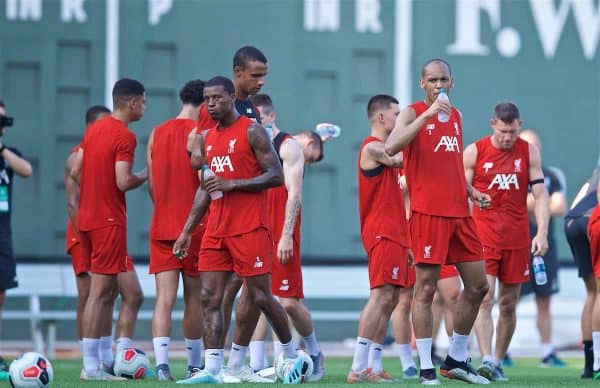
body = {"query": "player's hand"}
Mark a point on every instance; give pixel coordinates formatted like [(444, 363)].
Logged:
[(539, 245), (437, 107), (142, 174), (285, 249), (480, 199), (216, 183), (182, 245), (411, 258)]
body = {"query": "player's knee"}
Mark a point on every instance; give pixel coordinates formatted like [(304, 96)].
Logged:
[(478, 288), (507, 306), (427, 292), (487, 304), (209, 298)]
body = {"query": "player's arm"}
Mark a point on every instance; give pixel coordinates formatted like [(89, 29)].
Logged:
[(199, 207), (266, 156), (375, 151), (293, 172), (469, 160), (197, 157), (76, 164), (72, 191), (126, 178), (539, 243), (149, 165), (17, 163)]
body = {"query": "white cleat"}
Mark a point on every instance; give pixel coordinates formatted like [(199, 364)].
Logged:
[(246, 375), (99, 375)]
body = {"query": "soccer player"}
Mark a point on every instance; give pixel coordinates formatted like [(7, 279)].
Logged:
[(594, 233), (106, 174), (172, 184), (385, 239), (244, 164), (441, 228), (554, 180), (504, 166), (285, 207), (576, 223)]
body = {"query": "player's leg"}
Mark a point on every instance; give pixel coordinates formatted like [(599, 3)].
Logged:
[(403, 332), (439, 314), (508, 298), (484, 324), (257, 347), (192, 322), (166, 283), (132, 298), (586, 325), (449, 290), (82, 282), (231, 291)]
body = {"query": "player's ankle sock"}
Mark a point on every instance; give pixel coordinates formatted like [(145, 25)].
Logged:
[(91, 362), (81, 345), (547, 349), (458, 347), (360, 362), (161, 349), (213, 359), (277, 349), (487, 358), (588, 355), (405, 353), (237, 356), (375, 355), (312, 346), (194, 351), (596, 348), (424, 350), (105, 352), (289, 349), (257, 355), (124, 343)]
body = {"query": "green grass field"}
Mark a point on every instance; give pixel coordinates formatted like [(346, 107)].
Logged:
[(525, 373)]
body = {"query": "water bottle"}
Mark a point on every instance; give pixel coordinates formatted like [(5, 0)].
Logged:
[(327, 131), (207, 174), (539, 271), (443, 117)]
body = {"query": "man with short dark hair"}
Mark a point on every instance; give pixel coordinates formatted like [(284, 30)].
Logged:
[(108, 149), (11, 161), (504, 166), (244, 164)]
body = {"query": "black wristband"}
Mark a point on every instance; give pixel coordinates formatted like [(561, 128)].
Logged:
[(2, 148), (531, 183)]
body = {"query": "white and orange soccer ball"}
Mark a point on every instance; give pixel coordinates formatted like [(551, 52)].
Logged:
[(31, 370), (131, 363)]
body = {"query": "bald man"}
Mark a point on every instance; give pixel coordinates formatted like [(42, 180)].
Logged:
[(554, 180)]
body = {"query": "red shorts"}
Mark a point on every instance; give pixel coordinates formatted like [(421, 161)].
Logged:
[(510, 266), (80, 258), (388, 264), (447, 271), (594, 233), (286, 279), (444, 240), (162, 258), (108, 250), (248, 254)]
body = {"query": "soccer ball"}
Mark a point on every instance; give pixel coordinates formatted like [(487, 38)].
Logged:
[(131, 363), (282, 366), (30, 370)]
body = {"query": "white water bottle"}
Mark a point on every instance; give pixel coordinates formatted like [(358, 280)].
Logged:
[(443, 117), (327, 131), (539, 271), (207, 174)]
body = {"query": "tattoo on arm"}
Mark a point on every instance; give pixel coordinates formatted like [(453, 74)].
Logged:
[(199, 207)]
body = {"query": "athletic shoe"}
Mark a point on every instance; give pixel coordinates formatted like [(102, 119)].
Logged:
[(381, 377), (428, 377), (552, 361), (292, 370), (596, 375), (191, 370), (318, 367), (204, 377), (587, 373), (410, 373), (453, 369), (507, 361), (367, 376), (108, 369), (3, 365), (356, 377), (163, 373), (491, 371), (100, 375), (246, 375)]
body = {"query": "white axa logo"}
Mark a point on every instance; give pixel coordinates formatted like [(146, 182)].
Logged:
[(231, 148), (395, 273), (218, 164), (285, 285), (504, 181), (450, 142), (427, 253), (258, 263)]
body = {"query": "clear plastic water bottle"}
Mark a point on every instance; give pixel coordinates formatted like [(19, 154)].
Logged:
[(327, 131), (443, 117), (539, 271), (207, 174)]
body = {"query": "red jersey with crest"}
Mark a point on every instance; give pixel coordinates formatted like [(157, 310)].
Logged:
[(174, 181), (230, 156), (277, 199), (504, 175), (101, 203), (71, 237), (434, 168), (380, 203)]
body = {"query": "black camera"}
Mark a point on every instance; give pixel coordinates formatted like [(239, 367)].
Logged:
[(6, 121)]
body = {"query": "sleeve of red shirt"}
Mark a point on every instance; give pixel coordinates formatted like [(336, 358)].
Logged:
[(125, 147)]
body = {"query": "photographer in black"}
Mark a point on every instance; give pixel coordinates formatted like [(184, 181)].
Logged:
[(11, 162)]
